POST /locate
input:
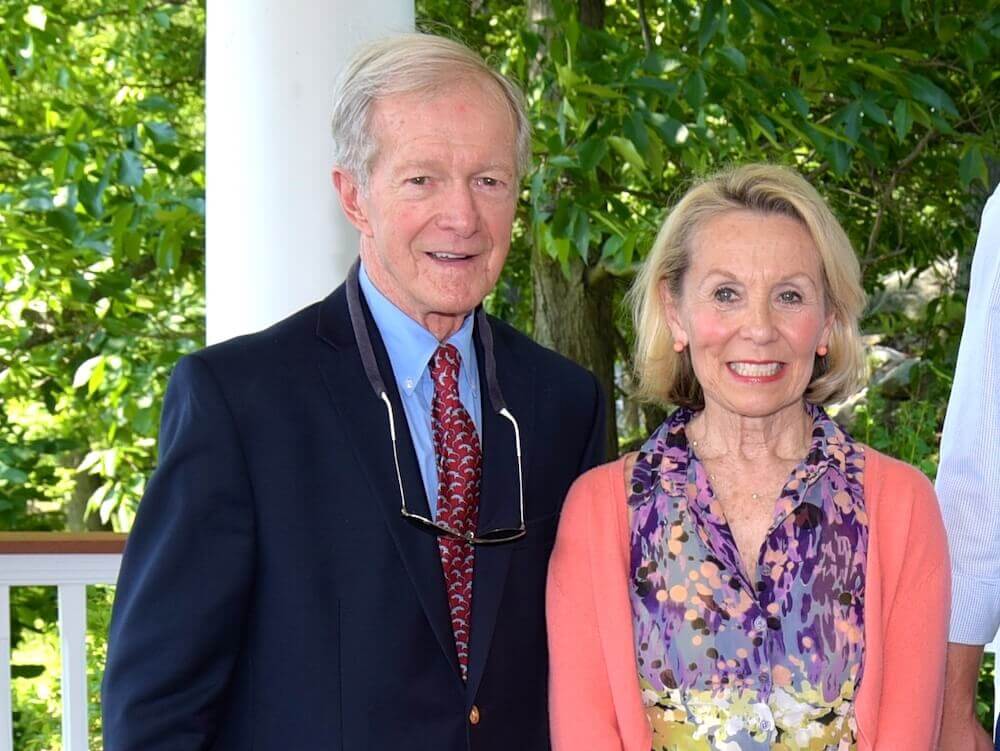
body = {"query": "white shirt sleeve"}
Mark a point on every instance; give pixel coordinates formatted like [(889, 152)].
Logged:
[(968, 481)]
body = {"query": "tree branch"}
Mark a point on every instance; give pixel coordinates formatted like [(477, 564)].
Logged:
[(888, 190), (647, 37)]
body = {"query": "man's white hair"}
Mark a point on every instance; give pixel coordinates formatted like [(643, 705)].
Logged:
[(410, 64)]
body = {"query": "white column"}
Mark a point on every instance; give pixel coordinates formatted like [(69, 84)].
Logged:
[(73, 639), (276, 240)]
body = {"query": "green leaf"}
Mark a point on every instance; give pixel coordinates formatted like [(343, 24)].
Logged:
[(25, 671), (563, 161), (91, 196), (673, 132), (735, 58), (797, 102), (695, 90), (767, 127), (871, 22), (592, 152), (162, 19), (599, 90), (852, 121), (840, 158), (161, 133), (168, 250), (873, 112), (122, 218), (626, 150), (59, 165), (76, 121), (85, 370), (64, 219), (973, 167), (581, 233), (902, 120), (709, 23), (924, 90), (635, 131), (568, 78), (667, 88), (155, 103), (130, 171)]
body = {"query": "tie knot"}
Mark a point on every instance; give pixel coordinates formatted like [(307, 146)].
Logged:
[(444, 366)]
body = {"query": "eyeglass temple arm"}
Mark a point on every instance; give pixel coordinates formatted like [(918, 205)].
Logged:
[(395, 456), (517, 446)]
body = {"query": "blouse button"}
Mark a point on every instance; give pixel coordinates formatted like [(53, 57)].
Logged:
[(765, 569), (759, 624)]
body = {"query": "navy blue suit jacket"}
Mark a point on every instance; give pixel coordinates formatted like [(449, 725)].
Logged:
[(272, 597)]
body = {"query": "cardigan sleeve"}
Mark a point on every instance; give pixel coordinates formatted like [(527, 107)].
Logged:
[(581, 703), (915, 621)]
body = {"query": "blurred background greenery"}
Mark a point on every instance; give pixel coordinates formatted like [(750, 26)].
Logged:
[(888, 106)]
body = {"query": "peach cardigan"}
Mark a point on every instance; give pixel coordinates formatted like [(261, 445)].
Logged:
[(594, 700)]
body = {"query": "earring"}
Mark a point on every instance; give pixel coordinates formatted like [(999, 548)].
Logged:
[(678, 347), (821, 350)]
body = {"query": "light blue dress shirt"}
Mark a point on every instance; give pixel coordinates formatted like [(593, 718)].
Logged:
[(968, 480), (410, 347)]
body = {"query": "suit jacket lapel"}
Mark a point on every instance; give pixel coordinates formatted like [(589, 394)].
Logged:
[(366, 416), (498, 499)]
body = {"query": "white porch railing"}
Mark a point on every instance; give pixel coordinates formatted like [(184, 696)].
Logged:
[(69, 562)]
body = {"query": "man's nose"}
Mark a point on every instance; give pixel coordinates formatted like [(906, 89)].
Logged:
[(459, 212)]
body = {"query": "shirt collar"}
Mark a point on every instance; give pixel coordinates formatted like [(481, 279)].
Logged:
[(665, 458), (409, 345)]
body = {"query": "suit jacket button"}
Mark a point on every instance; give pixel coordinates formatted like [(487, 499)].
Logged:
[(474, 715)]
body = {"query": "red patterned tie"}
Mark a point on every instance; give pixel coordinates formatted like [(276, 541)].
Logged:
[(459, 466)]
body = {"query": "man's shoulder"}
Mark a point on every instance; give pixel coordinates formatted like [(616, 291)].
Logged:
[(263, 357), (280, 339)]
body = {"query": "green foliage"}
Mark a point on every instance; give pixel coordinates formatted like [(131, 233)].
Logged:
[(36, 671), (101, 251)]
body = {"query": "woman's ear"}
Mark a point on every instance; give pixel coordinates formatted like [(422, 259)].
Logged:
[(672, 315)]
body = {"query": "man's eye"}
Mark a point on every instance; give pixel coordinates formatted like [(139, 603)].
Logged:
[(790, 297), (420, 180), (725, 294), (489, 182)]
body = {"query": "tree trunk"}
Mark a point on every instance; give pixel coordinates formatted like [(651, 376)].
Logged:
[(569, 315), (576, 319)]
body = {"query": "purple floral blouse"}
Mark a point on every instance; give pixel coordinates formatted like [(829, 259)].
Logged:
[(734, 660)]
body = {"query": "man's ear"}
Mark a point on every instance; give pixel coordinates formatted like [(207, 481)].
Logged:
[(352, 201), (671, 314)]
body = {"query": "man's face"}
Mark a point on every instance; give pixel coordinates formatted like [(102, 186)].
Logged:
[(436, 217)]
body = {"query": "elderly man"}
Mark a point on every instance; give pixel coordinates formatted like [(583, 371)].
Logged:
[(345, 543)]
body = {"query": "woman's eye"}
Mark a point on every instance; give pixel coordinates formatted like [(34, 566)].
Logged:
[(790, 297), (725, 294)]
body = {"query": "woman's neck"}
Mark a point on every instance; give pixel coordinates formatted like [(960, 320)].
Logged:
[(717, 432)]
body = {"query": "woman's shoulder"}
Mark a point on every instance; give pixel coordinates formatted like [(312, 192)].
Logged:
[(597, 497), (885, 475), (602, 476), (901, 499)]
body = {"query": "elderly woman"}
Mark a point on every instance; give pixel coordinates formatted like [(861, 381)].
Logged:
[(753, 578)]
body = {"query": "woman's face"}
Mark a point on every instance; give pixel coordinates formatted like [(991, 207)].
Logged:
[(751, 311)]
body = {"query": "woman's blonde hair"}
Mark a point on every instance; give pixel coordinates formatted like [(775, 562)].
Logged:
[(667, 377)]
